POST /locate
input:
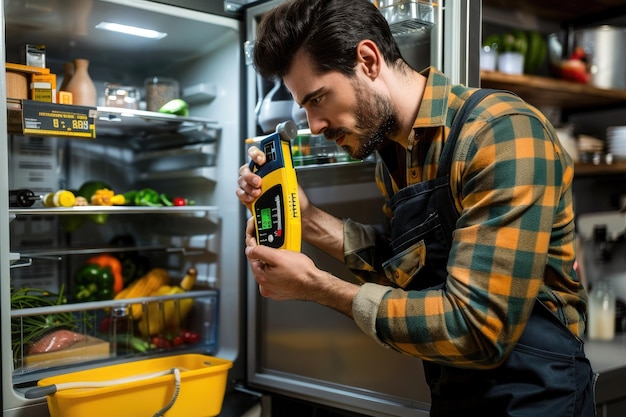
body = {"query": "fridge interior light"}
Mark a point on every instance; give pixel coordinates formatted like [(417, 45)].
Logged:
[(131, 30)]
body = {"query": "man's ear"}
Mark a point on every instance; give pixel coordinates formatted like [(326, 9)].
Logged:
[(368, 58)]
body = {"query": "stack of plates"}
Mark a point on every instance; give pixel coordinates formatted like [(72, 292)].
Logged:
[(590, 144), (616, 141)]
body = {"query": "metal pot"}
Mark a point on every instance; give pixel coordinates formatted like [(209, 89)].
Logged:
[(604, 46)]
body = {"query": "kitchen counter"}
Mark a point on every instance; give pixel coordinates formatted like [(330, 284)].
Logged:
[(607, 356), (608, 359)]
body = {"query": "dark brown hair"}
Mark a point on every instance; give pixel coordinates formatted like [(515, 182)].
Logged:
[(327, 30)]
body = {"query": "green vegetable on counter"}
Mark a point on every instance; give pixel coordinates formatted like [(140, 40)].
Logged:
[(165, 200), (177, 107), (148, 197), (93, 283)]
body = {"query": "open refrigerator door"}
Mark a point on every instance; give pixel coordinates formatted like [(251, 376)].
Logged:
[(148, 266)]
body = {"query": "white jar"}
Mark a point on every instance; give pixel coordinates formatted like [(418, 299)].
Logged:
[(601, 312)]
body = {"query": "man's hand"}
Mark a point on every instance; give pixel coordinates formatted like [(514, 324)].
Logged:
[(249, 182), (287, 275)]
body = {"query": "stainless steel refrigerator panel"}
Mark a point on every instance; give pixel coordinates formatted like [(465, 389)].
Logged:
[(310, 352)]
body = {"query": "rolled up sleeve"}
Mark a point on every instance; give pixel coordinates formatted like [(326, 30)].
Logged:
[(365, 308)]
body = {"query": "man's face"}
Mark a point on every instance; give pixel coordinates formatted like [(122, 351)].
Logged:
[(345, 109)]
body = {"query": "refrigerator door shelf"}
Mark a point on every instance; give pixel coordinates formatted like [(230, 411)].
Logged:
[(411, 16)]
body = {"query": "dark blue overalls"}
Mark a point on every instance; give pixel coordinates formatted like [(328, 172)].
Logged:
[(546, 374)]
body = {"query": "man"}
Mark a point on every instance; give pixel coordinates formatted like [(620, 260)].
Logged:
[(476, 277)]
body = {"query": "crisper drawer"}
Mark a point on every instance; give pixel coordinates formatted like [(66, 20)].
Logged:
[(108, 331)]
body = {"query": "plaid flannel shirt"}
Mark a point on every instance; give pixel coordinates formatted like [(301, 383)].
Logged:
[(514, 241)]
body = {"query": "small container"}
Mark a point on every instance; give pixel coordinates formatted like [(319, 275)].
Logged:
[(160, 90), (116, 95), (601, 314)]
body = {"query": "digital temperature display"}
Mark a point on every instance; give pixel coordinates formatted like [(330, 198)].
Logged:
[(51, 119), (266, 218)]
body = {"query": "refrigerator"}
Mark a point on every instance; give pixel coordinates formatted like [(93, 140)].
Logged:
[(288, 358)]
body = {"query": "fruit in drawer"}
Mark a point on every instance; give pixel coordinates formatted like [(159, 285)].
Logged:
[(169, 314), (143, 287)]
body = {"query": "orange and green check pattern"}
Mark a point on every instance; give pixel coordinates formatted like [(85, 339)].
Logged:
[(514, 241)]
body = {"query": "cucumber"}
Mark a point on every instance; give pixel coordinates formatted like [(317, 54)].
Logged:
[(177, 106)]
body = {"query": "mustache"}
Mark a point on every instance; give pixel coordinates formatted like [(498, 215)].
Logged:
[(333, 134)]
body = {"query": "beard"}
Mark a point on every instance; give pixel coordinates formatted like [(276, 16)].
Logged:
[(376, 120)]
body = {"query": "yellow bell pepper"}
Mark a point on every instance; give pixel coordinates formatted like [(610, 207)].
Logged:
[(106, 197)]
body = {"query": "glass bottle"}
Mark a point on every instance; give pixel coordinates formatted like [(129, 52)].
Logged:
[(601, 312), (22, 198)]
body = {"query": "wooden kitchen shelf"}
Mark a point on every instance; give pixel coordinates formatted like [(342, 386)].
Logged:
[(586, 169), (545, 91), (563, 10)]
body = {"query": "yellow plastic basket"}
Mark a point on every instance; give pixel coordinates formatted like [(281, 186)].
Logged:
[(199, 394)]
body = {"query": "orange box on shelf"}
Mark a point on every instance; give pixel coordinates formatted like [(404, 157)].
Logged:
[(50, 79), (65, 97)]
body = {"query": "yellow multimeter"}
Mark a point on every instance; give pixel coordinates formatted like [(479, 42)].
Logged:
[(277, 210)]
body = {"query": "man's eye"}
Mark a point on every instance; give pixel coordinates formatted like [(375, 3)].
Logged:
[(316, 100)]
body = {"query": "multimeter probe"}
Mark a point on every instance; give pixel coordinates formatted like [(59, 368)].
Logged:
[(277, 210)]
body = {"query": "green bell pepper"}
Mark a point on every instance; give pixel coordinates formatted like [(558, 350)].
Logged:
[(148, 197), (93, 283)]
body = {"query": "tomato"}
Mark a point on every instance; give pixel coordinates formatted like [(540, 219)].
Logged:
[(177, 341), (179, 201), (160, 342), (575, 70), (189, 336)]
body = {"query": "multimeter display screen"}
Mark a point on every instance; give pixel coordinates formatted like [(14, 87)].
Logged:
[(266, 218)]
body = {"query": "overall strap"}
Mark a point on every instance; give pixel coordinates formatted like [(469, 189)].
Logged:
[(445, 160)]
